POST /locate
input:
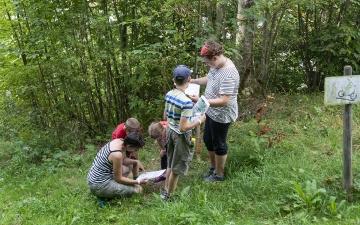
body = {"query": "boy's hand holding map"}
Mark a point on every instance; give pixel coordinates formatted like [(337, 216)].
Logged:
[(201, 105), (200, 108)]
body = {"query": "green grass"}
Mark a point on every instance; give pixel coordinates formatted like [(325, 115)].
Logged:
[(260, 187)]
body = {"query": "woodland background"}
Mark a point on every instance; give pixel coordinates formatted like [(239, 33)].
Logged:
[(70, 71)]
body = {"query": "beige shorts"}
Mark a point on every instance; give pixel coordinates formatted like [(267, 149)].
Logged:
[(111, 189), (179, 152)]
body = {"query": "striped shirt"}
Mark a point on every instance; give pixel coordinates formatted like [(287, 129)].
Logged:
[(177, 105), (223, 81), (101, 169)]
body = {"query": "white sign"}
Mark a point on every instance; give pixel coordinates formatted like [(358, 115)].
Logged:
[(342, 90)]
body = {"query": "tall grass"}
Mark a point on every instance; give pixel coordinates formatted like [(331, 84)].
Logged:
[(295, 181)]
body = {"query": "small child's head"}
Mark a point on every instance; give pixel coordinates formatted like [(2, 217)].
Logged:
[(132, 125), (156, 130), (181, 75)]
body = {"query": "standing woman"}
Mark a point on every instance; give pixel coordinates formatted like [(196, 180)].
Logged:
[(222, 83)]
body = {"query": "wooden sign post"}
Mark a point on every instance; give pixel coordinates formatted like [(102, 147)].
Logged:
[(343, 91)]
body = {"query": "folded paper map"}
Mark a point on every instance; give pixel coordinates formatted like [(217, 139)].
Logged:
[(150, 175), (200, 108)]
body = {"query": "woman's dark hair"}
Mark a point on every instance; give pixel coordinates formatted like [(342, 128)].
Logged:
[(214, 47), (134, 140)]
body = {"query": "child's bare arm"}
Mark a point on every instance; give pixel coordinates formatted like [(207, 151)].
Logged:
[(184, 125)]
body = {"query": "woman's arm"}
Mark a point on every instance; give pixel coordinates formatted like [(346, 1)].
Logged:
[(116, 159), (216, 102), (200, 81), (128, 162), (220, 102)]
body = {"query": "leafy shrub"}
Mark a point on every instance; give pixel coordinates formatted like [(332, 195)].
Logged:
[(311, 201)]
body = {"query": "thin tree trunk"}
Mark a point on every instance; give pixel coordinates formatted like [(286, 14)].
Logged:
[(219, 20), (245, 37)]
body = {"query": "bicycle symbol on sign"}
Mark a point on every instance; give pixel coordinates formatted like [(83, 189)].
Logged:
[(348, 93)]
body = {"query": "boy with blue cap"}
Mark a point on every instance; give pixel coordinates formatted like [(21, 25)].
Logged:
[(178, 109)]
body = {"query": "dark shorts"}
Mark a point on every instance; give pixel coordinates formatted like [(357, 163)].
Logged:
[(179, 152), (215, 136)]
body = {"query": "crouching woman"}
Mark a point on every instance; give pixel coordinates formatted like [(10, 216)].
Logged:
[(107, 177)]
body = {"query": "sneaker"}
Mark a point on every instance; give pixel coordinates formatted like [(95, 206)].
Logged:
[(164, 195), (214, 178), (208, 173), (160, 178), (102, 201), (166, 198), (163, 192)]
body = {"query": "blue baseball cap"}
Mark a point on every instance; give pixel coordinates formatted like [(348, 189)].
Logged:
[(181, 72)]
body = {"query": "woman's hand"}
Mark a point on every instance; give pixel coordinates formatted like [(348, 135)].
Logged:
[(144, 181), (140, 166), (199, 81)]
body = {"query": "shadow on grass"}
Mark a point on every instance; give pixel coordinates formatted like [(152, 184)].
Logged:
[(238, 159)]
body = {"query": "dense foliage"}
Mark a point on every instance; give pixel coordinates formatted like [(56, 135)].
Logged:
[(70, 71)]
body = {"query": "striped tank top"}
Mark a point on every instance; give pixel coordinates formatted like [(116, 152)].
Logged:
[(102, 170)]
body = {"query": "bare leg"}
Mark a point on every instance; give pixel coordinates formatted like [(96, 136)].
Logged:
[(212, 158), (173, 180), (126, 170), (220, 161), (168, 171)]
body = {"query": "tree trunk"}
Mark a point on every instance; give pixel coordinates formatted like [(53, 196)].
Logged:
[(219, 20), (244, 37)]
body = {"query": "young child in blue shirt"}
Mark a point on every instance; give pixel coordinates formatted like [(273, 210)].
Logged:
[(178, 110)]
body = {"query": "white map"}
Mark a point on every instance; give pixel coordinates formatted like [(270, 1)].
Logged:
[(150, 175)]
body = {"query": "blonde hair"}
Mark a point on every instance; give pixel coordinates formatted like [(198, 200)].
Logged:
[(132, 125), (155, 130)]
